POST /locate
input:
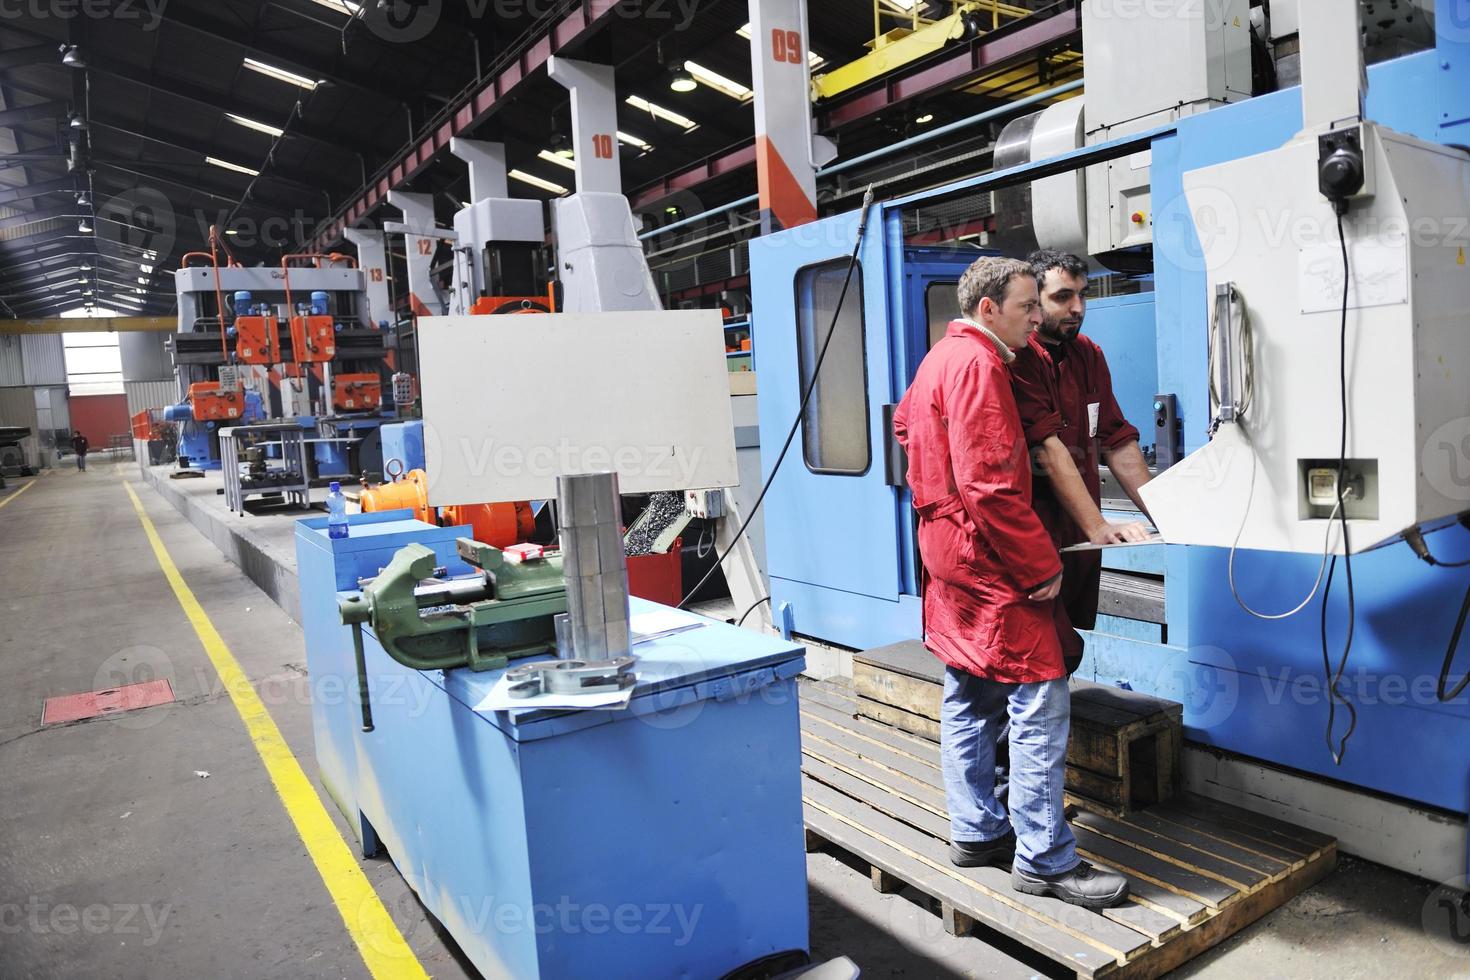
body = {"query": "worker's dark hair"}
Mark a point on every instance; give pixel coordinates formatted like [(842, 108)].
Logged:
[(1043, 260), (991, 276)]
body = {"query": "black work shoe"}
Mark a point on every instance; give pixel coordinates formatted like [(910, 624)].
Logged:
[(1084, 885), (978, 854)]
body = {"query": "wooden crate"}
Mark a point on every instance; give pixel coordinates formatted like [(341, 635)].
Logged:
[(1125, 746), (1199, 871)]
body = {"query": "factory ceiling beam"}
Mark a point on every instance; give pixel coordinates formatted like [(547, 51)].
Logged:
[(28, 192), (214, 101), (31, 55), (471, 108), (202, 150), (190, 20), (93, 324), (50, 111)]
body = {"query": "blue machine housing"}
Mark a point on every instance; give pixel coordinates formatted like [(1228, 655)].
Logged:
[(197, 441), (403, 441), (841, 548), (660, 840)]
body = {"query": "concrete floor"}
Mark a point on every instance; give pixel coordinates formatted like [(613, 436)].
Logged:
[(117, 859)]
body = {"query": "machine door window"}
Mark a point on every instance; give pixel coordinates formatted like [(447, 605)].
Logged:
[(835, 424), (941, 305)]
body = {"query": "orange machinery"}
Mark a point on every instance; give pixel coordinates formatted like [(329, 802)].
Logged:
[(257, 339), (492, 305), (211, 404), (356, 392), (500, 525), (149, 426)]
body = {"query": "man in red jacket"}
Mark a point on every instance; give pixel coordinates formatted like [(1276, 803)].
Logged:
[(1065, 395), (991, 580)]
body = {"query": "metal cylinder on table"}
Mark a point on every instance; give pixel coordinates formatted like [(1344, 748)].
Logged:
[(594, 563)]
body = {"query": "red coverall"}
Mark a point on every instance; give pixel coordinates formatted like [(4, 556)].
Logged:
[(983, 547), (1056, 390)]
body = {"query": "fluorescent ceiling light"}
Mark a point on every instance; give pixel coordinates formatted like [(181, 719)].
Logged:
[(280, 74), (718, 82), (142, 280), (231, 166), (560, 161), (812, 58), (341, 6), (145, 268), (659, 112), (535, 181), (927, 117), (259, 127), (632, 140), (232, 231)]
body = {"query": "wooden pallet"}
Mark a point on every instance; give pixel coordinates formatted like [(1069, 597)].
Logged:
[(1199, 870), (1124, 750)]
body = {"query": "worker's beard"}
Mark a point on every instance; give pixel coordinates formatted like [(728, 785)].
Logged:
[(1054, 331)]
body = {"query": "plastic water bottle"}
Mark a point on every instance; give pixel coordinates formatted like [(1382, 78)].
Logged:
[(336, 511)]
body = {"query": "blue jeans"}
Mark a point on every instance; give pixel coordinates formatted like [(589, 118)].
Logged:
[(974, 713)]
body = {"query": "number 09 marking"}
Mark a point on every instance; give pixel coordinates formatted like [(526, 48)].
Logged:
[(786, 46)]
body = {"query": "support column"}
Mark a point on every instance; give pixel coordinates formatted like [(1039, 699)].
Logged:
[(419, 245), (372, 259), (487, 167), (594, 123), (783, 114)]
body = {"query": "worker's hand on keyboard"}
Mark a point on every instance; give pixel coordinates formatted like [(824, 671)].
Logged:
[(1108, 533)]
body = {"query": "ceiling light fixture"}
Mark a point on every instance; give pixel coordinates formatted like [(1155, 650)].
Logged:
[(659, 112), (84, 199), (280, 74), (558, 159), (232, 231), (71, 56), (259, 127), (535, 181), (341, 6), (681, 81), (925, 119), (718, 82), (227, 165), (632, 140), (84, 227), (76, 121)]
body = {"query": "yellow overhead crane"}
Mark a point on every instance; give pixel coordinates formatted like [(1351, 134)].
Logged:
[(920, 36)]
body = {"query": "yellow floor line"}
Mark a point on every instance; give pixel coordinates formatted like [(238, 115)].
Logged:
[(16, 494), (383, 948)]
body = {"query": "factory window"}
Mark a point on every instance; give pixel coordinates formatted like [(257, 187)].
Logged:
[(941, 305), (835, 425)]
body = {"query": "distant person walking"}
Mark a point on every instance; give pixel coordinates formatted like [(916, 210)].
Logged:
[(80, 445)]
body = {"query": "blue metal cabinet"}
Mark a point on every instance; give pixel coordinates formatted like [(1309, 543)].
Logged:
[(660, 840)]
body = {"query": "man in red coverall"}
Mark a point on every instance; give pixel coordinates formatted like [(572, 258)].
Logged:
[(991, 579), (1065, 395)]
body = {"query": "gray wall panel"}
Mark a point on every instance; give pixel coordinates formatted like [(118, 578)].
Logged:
[(143, 355), (45, 359)]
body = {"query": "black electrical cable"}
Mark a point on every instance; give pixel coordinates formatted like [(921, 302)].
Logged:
[(801, 409), (756, 605), (1333, 679), (1449, 657)]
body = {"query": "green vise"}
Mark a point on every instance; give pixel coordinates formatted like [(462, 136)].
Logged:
[(480, 623)]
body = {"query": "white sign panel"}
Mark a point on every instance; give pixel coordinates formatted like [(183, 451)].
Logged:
[(511, 402)]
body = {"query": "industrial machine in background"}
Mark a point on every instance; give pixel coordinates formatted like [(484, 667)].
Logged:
[(296, 341), (1313, 393)]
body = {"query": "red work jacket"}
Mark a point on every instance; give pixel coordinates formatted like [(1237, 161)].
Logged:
[(983, 548), (1059, 390)]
